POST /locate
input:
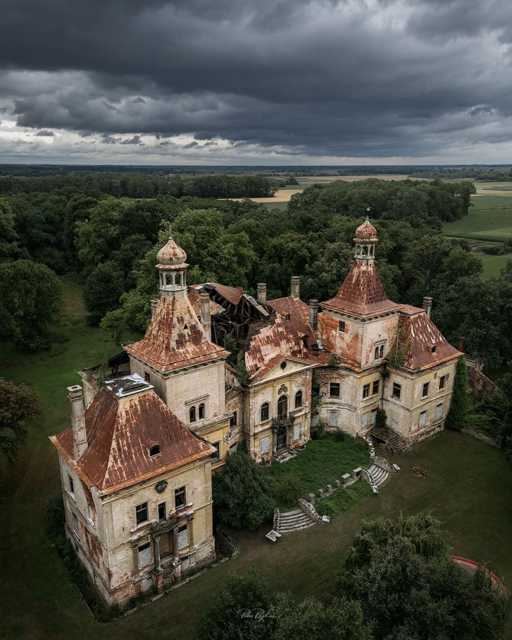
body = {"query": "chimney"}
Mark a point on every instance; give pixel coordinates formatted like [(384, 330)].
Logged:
[(427, 305), (262, 292), (295, 287), (76, 399), (154, 303), (313, 313), (204, 301)]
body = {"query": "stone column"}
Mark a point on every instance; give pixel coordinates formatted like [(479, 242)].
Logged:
[(156, 551), (262, 292)]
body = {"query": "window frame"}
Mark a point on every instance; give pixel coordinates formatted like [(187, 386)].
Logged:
[(300, 396), (141, 508), (265, 409), (162, 506), (201, 411), (396, 386), (154, 450), (192, 414), (181, 491), (425, 423), (366, 391), (216, 445), (334, 395), (443, 381), (425, 387), (342, 326), (233, 419), (375, 387)]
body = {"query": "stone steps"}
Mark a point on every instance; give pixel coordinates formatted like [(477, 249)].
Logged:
[(295, 520), (377, 475)]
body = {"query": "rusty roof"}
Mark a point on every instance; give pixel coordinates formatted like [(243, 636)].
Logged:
[(174, 338), (120, 432), (195, 301), (366, 231), (422, 344), (231, 294), (295, 311), (171, 254), (272, 344), (362, 292)]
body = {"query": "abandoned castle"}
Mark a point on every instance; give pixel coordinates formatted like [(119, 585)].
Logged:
[(137, 463)]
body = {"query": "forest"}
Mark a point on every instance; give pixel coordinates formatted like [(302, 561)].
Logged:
[(109, 243)]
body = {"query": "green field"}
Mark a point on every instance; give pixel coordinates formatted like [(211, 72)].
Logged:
[(490, 218), (493, 265), (465, 483)]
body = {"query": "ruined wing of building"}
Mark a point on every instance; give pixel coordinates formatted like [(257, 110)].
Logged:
[(137, 463)]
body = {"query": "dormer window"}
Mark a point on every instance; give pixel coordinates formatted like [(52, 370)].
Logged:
[(434, 348), (342, 327), (154, 450)]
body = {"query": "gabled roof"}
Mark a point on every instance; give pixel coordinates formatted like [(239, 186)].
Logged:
[(295, 311), (174, 338), (273, 343), (120, 432), (362, 292), (420, 343)]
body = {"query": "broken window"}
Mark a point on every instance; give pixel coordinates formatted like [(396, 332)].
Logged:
[(145, 556), (366, 391), (264, 411), (216, 455), (298, 399), (282, 407), (334, 389), (141, 512), (397, 390), (182, 537), (342, 326), (233, 419), (424, 389), (442, 381), (192, 414), (161, 511), (147, 376), (180, 498), (201, 411), (375, 387), (154, 450), (379, 351)]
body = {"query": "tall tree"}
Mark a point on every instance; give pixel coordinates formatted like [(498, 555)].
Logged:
[(460, 405), (31, 297), (18, 405)]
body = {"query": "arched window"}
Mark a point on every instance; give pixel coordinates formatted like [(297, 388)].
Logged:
[(264, 412), (298, 399), (201, 411), (282, 407), (192, 414)]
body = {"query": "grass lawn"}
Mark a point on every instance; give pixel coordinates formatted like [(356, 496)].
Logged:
[(466, 484), (343, 500), (493, 265), (320, 463), (489, 218)]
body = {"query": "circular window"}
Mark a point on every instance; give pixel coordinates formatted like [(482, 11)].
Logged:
[(283, 365)]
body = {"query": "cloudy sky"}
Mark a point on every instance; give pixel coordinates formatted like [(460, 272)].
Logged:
[(256, 81)]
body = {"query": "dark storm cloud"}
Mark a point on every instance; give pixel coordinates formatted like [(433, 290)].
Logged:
[(354, 77)]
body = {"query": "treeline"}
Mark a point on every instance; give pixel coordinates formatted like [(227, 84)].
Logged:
[(487, 173), (428, 202), (140, 185)]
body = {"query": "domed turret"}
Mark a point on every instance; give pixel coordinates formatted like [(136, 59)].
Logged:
[(366, 231), (172, 269), (171, 254), (365, 239)]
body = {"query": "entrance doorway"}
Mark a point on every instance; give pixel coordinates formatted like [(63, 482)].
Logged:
[(281, 437)]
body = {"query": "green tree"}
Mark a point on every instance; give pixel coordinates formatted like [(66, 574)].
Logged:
[(242, 493), (102, 290), (241, 611), (408, 586), (18, 405), (31, 298), (460, 405), (9, 248), (335, 620)]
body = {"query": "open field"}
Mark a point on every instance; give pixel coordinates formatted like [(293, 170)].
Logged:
[(493, 265), (467, 484)]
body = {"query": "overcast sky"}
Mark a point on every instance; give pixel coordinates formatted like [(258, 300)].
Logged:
[(255, 81)]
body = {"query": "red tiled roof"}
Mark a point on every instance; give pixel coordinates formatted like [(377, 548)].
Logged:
[(294, 310), (174, 338), (273, 343), (418, 336), (120, 432), (362, 292), (193, 296)]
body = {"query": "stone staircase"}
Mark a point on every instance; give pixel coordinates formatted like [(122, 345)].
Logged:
[(376, 475), (390, 439), (294, 520)]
